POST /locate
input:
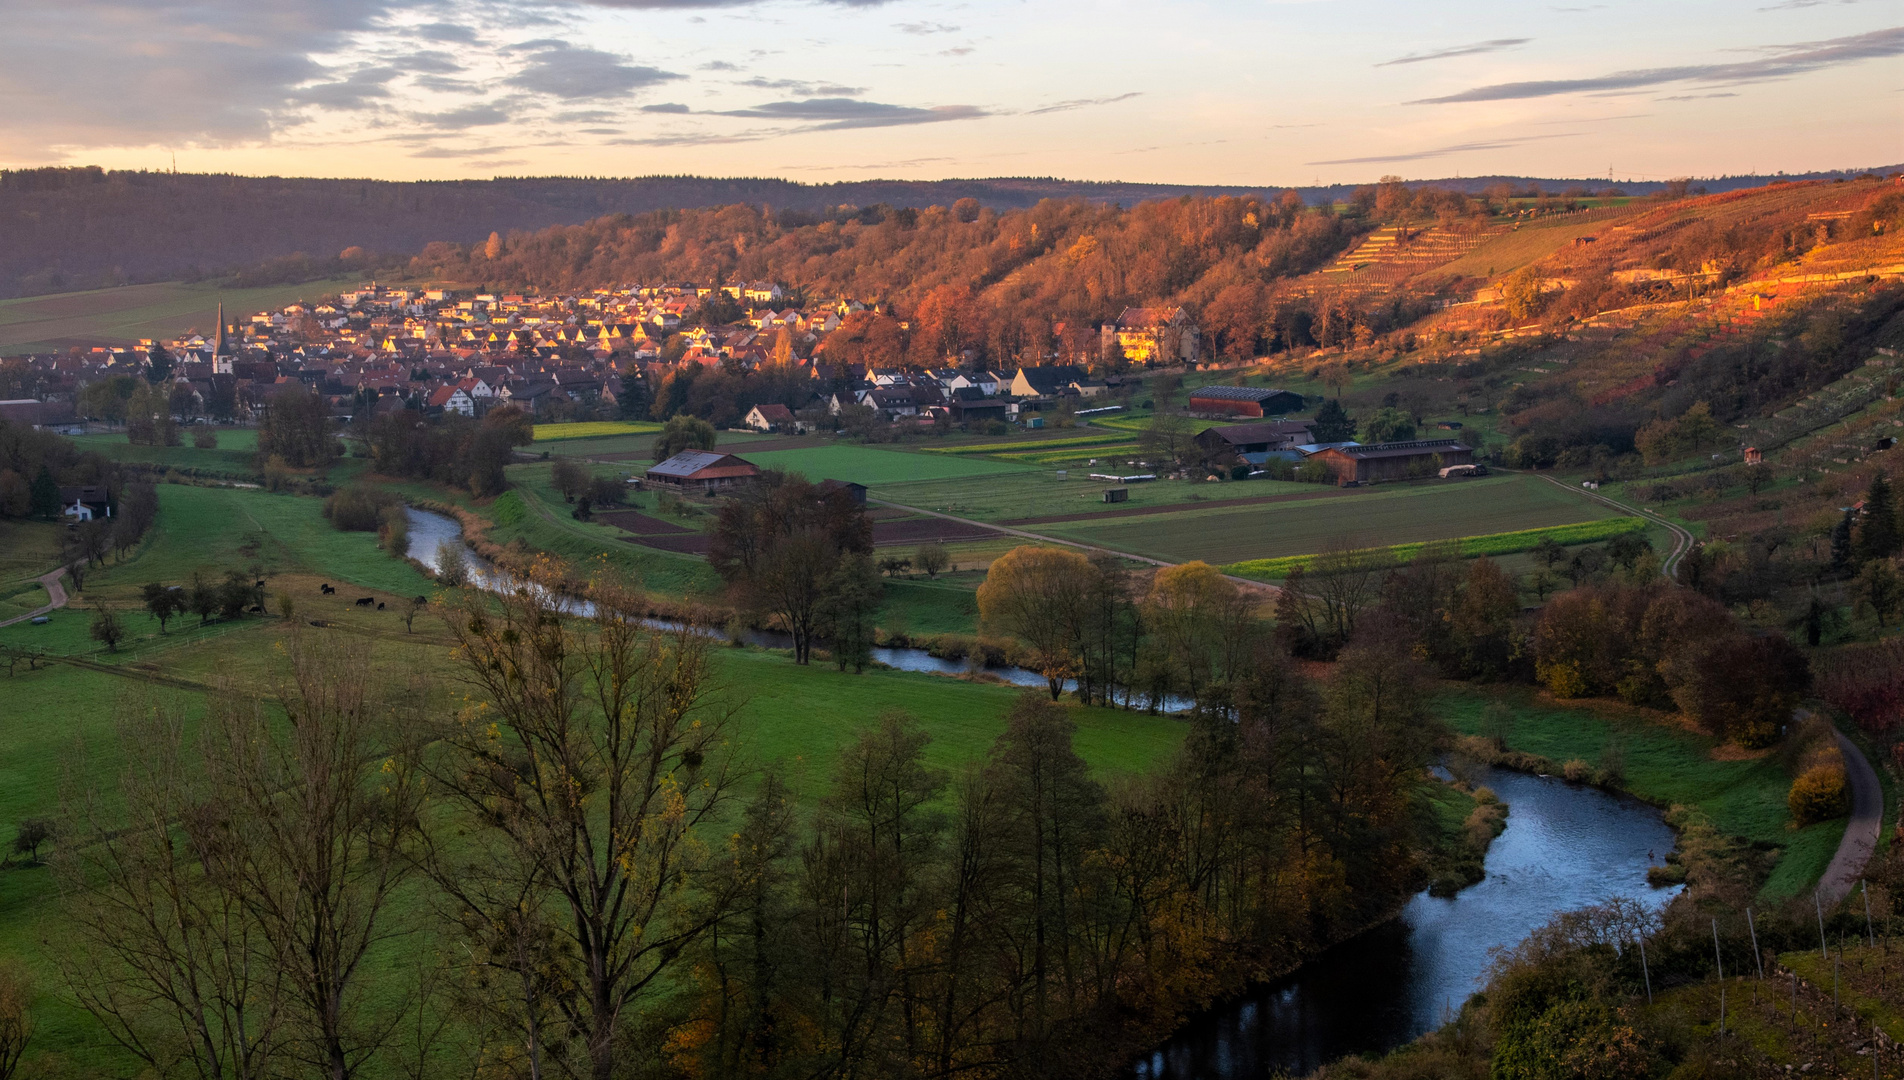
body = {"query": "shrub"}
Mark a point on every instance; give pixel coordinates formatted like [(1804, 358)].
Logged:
[(1577, 771), (358, 509), (1819, 795), (393, 530), (205, 439), (451, 568)]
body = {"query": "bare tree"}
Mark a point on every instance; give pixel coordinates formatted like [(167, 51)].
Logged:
[(16, 1021), (323, 812), (591, 757), (167, 957)]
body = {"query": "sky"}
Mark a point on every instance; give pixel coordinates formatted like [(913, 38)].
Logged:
[(1258, 93)]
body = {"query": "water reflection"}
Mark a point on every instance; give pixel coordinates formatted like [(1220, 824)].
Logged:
[(1565, 847)]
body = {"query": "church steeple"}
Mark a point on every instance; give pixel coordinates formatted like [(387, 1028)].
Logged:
[(221, 349)]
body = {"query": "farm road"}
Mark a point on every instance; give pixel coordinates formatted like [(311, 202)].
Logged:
[(1861, 832), (1272, 591), (55, 593), (1682, 540)]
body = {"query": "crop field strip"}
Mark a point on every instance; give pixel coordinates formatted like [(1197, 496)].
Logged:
[(1400, 515), (1492, 544), (1040, 493), (593, 430)]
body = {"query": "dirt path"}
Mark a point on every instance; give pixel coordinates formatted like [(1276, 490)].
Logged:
[(55, 592), (1682, 540), (1861, 832)]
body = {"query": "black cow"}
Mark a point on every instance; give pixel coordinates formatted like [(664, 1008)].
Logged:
[(380, 605), (259, 585), (420, 600), (367, 601), (326, 589)]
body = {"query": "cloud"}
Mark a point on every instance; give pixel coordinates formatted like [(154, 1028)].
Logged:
[(471, 116), (573, 73), (1081, 103), (462, 35), (1696, 97), (691, 5), (958, 50), (666, 107), (801, 88), (459, 152), (145, 72), (1787, 61), (839, 114), (1495, 45), (924, 28), (357, 91), (1443, 151), (719, 65), (443, 85), (429, 62)]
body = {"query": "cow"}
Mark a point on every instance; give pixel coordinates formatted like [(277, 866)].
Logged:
[(367, 601), (380, 605), (326, 589), (419, 600), (259, 585)]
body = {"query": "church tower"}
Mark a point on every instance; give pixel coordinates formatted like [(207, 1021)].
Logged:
[(221, 349)]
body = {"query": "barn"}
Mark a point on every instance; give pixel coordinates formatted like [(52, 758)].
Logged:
[(702, 470), (1244, 401), (1393, 461)]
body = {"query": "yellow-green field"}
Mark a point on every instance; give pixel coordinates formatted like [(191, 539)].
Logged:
[(594, 429), (122, 316)]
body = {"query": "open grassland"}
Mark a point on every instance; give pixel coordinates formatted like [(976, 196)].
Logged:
[(634, 446), (1666, 765), (544, 526), (870, 466), (233, 456), (1389, 514), (212, 530), (794, 720), (1039, 493), (593, 429), (124, 315), (27, 549), (1469, 547)]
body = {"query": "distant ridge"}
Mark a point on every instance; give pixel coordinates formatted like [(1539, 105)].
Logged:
[(75, 228)]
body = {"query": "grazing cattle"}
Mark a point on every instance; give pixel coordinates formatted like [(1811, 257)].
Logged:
[(380, 605), (367, 601), (326, 589), (420, 600)]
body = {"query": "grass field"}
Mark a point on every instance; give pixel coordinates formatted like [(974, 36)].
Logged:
[(1032, 493), (124, 315), (795, 720), (233, 455), (27, 550), (1377, 517), (1665, 765), (870, 466)]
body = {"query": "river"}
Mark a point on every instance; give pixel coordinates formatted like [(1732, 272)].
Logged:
[(1566, 846), (429, 530)]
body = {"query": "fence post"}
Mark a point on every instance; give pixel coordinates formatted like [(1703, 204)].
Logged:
[(1824, 951), (1646, 972), (1756, 955)]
